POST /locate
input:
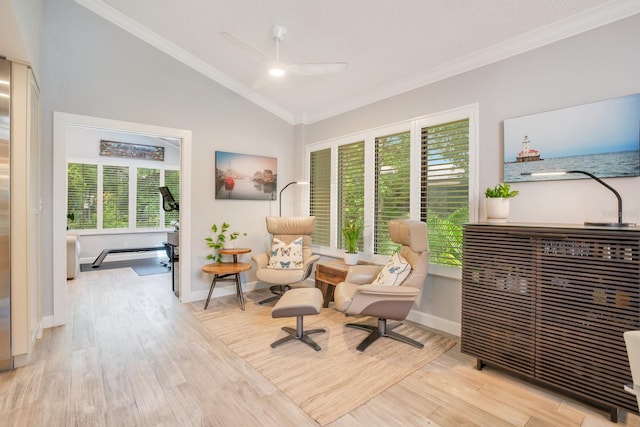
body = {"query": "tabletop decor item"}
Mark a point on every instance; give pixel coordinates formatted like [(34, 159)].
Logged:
[(497, 203), (223, 239), (351, 233)]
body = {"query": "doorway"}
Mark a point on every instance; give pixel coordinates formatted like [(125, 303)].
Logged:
[(63, 122)]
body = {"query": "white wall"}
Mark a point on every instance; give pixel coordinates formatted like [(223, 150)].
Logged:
[(600, 64), (93, 68)]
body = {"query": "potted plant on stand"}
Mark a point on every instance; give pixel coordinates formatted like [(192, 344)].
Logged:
[(221, 240), (351, 233), (497, 204)]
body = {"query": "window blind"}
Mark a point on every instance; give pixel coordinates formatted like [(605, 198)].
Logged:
[(82, 191), (445, 189), (172, 180), (115, 196), (148, 198), (320, 195), (392, 187), (350, 187)]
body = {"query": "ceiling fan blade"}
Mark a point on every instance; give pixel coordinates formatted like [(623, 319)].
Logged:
[(316, 69), (238, 42), (264, 80)]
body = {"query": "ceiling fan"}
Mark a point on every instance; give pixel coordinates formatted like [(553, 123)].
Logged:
[(279, 69)]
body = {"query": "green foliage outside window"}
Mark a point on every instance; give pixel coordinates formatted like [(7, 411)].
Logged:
[(445, 237), (82, 190)]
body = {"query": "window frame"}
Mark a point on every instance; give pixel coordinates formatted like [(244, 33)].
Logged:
[(415, 126)]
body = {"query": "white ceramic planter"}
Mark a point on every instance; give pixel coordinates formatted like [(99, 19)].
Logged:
[(350, 259), (497, 209)]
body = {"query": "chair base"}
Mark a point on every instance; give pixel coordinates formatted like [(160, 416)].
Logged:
[(382, 331), (277, 292), (299, 334)]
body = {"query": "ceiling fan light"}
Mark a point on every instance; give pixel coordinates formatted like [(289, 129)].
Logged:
[(277, 71)]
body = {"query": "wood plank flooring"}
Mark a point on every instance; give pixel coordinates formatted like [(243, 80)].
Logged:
[(132, 355)]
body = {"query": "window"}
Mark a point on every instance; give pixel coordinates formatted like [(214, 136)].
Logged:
[(444, 203), (172, 180), (147, 198), (421, 169), (82, 203), (111, 196), (350, 187), (320, 190), (392, 187), (115, 196)]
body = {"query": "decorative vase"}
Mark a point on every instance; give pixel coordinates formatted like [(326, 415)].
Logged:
[(350, 259), (497, 209)]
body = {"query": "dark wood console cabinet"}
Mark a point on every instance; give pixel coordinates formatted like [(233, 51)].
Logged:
[(551, 302)]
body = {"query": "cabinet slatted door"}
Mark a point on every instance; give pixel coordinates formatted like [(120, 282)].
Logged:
[(552, 303), (498, 299), (589, 295)]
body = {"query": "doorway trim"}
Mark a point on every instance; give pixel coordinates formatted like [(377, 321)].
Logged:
[(63, 121)]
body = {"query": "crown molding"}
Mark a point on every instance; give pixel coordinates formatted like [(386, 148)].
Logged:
[(599, 16), (133, 27)]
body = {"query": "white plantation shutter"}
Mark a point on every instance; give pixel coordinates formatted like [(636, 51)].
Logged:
[(424, 168), (172, 180), (320, 195), (115, 196), (82, 196), (350, 187), (445, 189), (148, 198), (392, 187)]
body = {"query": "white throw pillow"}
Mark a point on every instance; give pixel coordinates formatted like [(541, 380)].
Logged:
[(394, 273), (285, 257)]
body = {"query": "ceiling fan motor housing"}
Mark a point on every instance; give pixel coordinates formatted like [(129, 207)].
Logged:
[(279, 32)]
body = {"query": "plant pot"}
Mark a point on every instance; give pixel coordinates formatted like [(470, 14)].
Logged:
[(350, 259), (497, 209)]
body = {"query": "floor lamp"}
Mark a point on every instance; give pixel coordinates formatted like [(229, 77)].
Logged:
[(284, 188)]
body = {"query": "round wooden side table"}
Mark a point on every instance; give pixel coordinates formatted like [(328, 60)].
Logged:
[(228, 271)]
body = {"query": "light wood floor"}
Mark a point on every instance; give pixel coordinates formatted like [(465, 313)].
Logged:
[(131, 354)]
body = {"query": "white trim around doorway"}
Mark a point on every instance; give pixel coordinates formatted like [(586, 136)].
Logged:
[(62, 122)]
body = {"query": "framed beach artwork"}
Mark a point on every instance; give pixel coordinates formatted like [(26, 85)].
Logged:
[(602, 138), (245, 177)]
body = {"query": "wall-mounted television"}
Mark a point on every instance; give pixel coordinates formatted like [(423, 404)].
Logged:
[(602, 138)]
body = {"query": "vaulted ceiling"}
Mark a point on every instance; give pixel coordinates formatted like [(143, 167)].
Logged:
[(390, 46)]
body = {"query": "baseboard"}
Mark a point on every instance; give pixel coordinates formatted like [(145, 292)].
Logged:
[(223, 290), (230, 289), (47, 322), (435, 322)]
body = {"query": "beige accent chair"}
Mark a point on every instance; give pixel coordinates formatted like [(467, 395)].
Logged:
[(356, 296), (73, 257), (286, 229)]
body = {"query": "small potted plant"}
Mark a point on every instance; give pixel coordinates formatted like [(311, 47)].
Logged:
[(351, 233), (497, 203), (221, 240)]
